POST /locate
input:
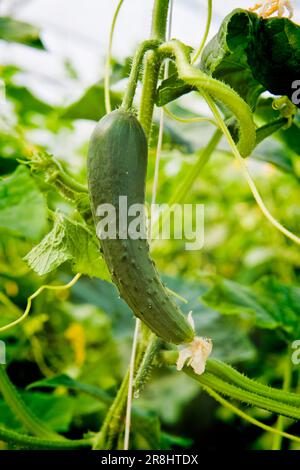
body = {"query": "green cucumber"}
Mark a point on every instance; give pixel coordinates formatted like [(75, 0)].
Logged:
[(117, 166)]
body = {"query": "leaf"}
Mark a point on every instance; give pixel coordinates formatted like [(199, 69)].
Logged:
[(253, 54), (92, 104), (231, 343), (23, 211), (68, 241), (272, 304), (26, 102), (12, 30), (170, 89), (68, 382)]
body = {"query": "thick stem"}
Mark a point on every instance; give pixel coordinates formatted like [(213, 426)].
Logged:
[(29, 442), (160, 19), (217, 89), (135, 71), (150, 80), (20, 410), (288, 373)]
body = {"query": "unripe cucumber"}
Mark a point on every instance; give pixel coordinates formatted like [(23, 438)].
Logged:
[(117, 166)]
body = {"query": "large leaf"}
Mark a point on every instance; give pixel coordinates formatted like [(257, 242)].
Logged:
[(272, 304), (68, 241), (12, 30), (92, 104), (23, 211), (249, 53)]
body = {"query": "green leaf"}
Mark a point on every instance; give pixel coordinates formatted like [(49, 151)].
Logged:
[(92, 104), (55, 411), (23, 211), (231, 343), (252, 54), (25, 101), (12, 30), (170, 89), (272, 304), (68, 241)]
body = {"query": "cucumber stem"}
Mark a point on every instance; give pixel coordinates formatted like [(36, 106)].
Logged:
[(31, 422), (160, 19), (145, 46)]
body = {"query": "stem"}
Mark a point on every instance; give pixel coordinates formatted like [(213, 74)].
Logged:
[(229, 374), (130, 385), (247, 175), (287, 379), (188, 120), (219, 90), (23, 441), (135, 71), (247, 394), (192, 175), (190, 178), (150, 79), (207, 28), (105, 437), (146, 364), (24, 414), (108, 59), (36, 294), (160, 19)]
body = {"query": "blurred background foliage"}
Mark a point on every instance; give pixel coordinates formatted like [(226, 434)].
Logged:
[(69, 356)]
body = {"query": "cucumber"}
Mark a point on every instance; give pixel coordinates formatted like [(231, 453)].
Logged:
[(117, 166)]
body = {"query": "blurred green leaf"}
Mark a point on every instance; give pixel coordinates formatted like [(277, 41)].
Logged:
[(55, 411), (23, 211), (272, 304), (12, 30), (71, 384), (92, 104), (68, 241)]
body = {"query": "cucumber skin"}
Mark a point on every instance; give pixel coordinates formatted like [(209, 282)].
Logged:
[(117, 166)]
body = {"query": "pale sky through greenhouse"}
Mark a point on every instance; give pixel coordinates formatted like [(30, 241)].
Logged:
[(78, 32)]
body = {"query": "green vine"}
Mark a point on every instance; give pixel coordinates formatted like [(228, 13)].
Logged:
[(217, 89), (20, 410)]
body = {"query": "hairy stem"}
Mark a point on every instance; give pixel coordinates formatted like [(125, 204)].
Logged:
[(287, 380), (135, 71), (160, 19), (246, 417), (217, 89), (150, 79), (29, 442), (20, 410)]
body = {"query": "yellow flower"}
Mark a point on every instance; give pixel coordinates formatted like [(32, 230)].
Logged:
[(269, 7)]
